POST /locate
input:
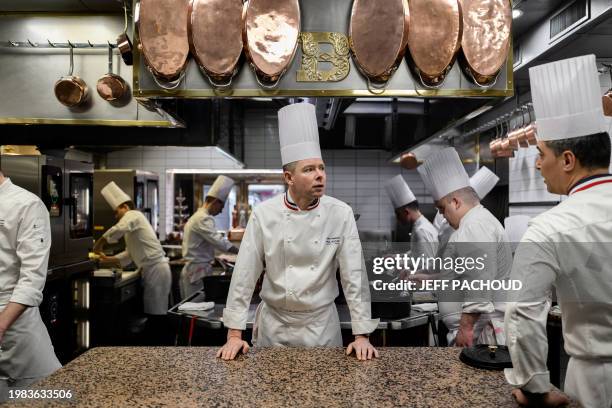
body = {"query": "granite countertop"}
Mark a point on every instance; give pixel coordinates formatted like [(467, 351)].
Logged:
[(274, 377)]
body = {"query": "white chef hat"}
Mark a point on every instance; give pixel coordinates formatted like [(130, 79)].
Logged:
[(443, 173), (114, 196), (398, 191), (221, 188), (567, 98), (516, 226), (298, 133), (483, 182)]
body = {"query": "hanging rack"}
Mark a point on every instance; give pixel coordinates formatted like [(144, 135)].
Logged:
[(49, 45)]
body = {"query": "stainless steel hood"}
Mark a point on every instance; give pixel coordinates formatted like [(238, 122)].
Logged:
[(68, 6)]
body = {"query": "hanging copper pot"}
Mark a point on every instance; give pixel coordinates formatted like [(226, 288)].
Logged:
[(487, 31), (124, 45), (215, 38), (378, 36), (71, 90), (111, 86), (513, 138), (271, 30), (531, 132), (409, 161), (162, 25), (436, 28), (606, 100)]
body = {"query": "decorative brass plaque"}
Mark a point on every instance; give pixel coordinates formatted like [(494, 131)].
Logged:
[(312, 55)]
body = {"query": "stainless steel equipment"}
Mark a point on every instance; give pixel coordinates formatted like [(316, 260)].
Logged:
[(66, 188), (142, 186)]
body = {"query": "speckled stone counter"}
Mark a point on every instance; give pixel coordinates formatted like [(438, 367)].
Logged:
[(274, 377)]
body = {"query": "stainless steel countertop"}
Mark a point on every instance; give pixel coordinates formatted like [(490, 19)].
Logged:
[(213, 318)]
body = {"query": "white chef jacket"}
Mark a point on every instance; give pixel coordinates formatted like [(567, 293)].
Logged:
[(142, 245), (479, 233), (201, 238), (424, 238), (25, 241), (568, 247), (302, 250)]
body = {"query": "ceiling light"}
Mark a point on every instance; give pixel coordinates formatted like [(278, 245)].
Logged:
[(516, 13)]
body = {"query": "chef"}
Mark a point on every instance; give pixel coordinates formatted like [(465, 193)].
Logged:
[(423, 235), (478, 234), (302, 237), (482, 182), (201, 238), (569, 247), (25, 240), (144, 249)]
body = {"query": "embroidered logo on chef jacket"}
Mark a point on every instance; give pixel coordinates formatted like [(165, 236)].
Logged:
[(332, 241)]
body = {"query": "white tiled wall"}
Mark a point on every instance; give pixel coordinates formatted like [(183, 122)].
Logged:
[(160, 159), (354, 176)]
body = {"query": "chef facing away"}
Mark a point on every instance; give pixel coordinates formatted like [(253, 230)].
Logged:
[(145, 250), (201, 238), (569, 247), (26, 354), (302, 237)]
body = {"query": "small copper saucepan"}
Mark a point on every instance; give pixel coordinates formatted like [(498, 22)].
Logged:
[(71, 90), (111, 86), (123, 41), (409, 161)]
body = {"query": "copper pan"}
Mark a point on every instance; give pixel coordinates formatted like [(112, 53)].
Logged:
[(606, 100), (436, 28), (215, 38), (162, 25), (111, 87), (378, 36), (270, 33), (531, 132), (71, 90), (123, 41), (409, 161), (487, 30), (513, 138)]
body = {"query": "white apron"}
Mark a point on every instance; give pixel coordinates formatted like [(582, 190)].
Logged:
[(191, 278), (27, 352), (156, 281), (316, 328), (590, 382)]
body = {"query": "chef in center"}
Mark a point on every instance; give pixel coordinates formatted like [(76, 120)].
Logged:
[(302, 237)]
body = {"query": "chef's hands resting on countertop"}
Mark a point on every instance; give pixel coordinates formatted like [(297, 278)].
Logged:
[(364, 350), (233, 345), (549, 399)]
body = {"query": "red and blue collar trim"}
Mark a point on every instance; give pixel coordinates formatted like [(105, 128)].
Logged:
[(589, 182), (292, 206)]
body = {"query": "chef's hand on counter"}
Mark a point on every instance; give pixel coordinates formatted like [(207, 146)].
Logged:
[(465, 335), (233, 345), (364, 350), (549, 399)]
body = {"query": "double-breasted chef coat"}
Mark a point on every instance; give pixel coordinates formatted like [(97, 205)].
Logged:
[(200, 239), (25, 240), (479, 234), (568, 247), (301, 251), (143, 247)]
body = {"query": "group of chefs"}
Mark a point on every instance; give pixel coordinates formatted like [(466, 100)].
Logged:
[(303, 236)]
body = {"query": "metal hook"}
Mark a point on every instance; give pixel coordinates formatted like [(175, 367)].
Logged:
[(32, 44), (13, 43), (71, 45), (90, 44), (50, 43)]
